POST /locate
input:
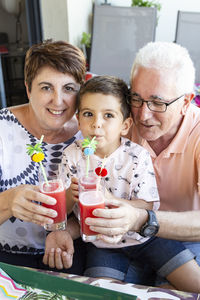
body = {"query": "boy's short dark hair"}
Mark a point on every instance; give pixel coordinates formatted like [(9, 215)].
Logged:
[(58, 55), (107, 85)]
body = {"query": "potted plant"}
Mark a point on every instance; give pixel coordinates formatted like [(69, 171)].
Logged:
[(146, 3), (86, 45)]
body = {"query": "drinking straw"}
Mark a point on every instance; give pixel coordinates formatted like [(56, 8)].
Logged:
[(100, 176), (87, 165), (37, 155), (89, 147), (41, 165)]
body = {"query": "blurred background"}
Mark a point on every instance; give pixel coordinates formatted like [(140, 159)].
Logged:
[(109, 33)]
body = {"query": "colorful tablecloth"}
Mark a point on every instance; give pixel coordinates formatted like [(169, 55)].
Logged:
[(41, 285), (142, 292)]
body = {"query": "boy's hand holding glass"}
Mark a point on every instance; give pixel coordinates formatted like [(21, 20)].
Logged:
[(72, 194), (74, 189)]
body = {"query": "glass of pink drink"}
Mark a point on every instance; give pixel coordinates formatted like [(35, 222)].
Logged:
[(55, 188), (87, 182), (88, 201), (90, 196)]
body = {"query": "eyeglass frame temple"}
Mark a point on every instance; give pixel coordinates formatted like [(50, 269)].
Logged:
[(166, 103)]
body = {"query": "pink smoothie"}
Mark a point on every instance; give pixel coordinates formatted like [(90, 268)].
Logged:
[(56, 190), (88, 201), (88, 182)]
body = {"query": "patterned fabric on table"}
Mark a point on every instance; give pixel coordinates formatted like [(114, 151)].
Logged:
[(142, 292)]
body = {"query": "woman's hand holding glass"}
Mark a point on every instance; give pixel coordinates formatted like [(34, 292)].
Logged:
[(22, 205)]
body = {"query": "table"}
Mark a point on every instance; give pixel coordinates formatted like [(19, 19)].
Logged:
[(86, 288), (142, 292)]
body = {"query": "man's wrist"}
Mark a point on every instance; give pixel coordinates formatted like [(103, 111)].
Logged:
[(142, 219), (151, 226)]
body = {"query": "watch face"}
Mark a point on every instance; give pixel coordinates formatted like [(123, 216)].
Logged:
[(150, 230)]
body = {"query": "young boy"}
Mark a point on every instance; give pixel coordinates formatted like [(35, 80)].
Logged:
[(103, 111)]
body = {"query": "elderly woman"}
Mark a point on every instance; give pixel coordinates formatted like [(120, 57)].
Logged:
[(54, 72)]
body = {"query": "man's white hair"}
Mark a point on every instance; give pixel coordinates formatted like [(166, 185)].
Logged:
[(167, 56)]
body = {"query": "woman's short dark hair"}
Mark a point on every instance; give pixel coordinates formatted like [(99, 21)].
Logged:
[(59, 55), (107, 85)]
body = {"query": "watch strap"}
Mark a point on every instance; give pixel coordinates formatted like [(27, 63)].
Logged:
[(151, 222)]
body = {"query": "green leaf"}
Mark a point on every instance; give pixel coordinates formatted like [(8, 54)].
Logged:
[(34, 149), (89, 143), (30, 152), (29, 145), (143, 3), (39, 149), (86, 39)]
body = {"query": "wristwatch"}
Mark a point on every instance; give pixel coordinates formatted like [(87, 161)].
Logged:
[(151, 227)]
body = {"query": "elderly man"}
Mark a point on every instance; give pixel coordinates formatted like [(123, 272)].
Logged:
[(168, 126)]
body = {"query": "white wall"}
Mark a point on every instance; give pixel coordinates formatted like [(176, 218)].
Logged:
[(166, 28), (66, 19), (54, 19), (79, 19)]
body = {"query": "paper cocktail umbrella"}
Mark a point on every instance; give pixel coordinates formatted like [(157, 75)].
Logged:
[(37, 155), (89, 147)]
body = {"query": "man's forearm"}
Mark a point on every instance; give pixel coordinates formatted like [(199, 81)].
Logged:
[(183, 226)]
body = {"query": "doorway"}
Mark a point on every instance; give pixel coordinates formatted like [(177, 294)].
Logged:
[(20, 24)]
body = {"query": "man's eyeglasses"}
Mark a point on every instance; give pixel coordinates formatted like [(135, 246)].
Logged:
[(154, 105)]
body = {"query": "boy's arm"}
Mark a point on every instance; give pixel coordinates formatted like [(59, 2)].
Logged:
[(71, 182), (72, 195), (139, 203)]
